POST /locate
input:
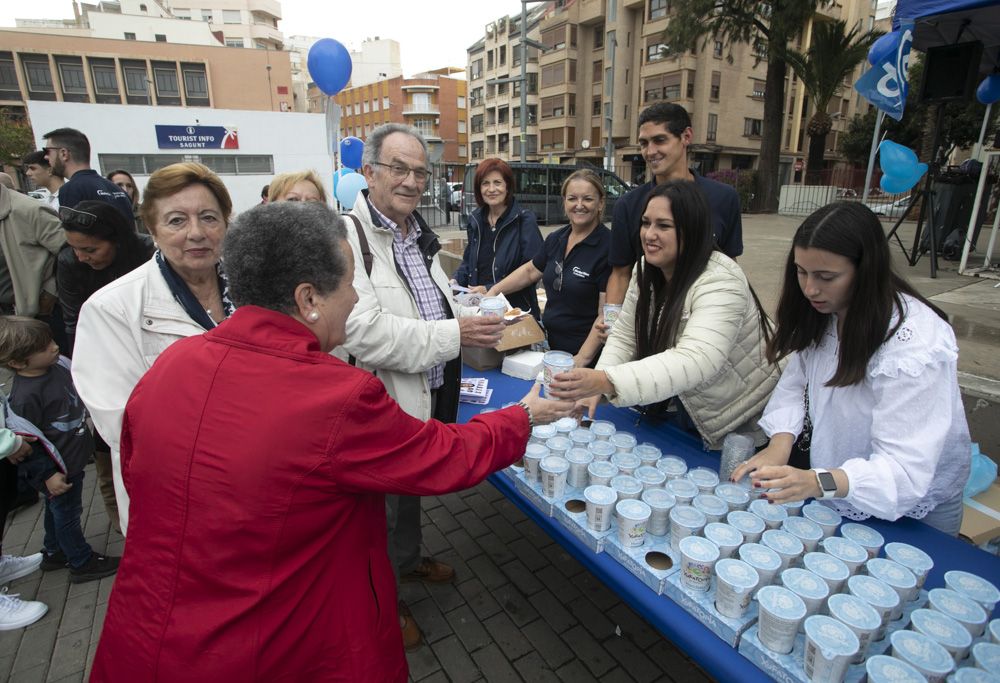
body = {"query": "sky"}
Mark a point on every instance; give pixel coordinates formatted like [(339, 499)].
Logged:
[(431, 34)]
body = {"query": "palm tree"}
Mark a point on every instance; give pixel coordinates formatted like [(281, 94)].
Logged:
[(832, 56)]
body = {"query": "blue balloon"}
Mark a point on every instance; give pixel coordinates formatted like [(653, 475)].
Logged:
[(884, 48), (897, 184), (895, 159), (348, 188), (337, 175), (351, 150), (988, 91), (329, 65)]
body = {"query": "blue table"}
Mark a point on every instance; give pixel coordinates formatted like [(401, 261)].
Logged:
[(676, 624)]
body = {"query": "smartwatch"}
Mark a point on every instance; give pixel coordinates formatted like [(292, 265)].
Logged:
[(827, 484)]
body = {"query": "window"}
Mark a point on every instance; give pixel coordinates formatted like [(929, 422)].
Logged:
[(595, 136), (501, 88), (502, 114), (664, 87), (365, 106), (460, 102), (9, 89), (503, 142), (553, 74), (599, 37), (476, 70), (227, 164), (477, 123), (476, 96), (160, 37), (655, 51), (461, 126), (713, 128), (758, 89), (206, 15), (136, 84), (572, 71), (532, 115), (462, 151), (690, 85), (716, 86), (166, 82), (230, 16), (717, 49), (491, 117), (375, 104), (385, 103), (477, 150), (552, 139), (71, 75), (553, 106), (658, 9), (129, 36), (598, 72), (595, 107), (503, 55), (752, 127), (234, 42), (195, 83), (532, 85), (36, 70), (182, 13), (489, 60), (357, 109), (844, 104), (142, 8), (554, 38)]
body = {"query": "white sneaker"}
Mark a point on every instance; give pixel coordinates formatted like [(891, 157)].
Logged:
[(14, 567), (16, 613)]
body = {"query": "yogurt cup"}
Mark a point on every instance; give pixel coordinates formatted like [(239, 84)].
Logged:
[(648, 454), (672, 466), (627, 463), (735, 582), (736, 497), (726, 537), (492, 305), (553, 471), (806, 530), (627, 487), (736, 449), (858, 616), (533, 454), (773, 515), (600, 504), (869, 539), (764, 561), (827, 518), (828, 568), (698, 558), (994, 630), (542, 433), (748, 524), (579, 459), (602, 429), (660, 503), (566, 425), (965, 611), (923, 654), (705, 479), (877, 594), (896, 575), (650, 477), (554, 362), (845, 550), (581, 437), (986, 656), (911, 557), (830, 647), (781, 613), (683, 490), (611, 314), (971, 674), (811, 588), (602, 450), (623, 441), (788, 547), (886, 669), (947, 632), (601, 473), (632, 516), (558, 445), (973, 587), (713, 507), (684, 521), (794, 509)]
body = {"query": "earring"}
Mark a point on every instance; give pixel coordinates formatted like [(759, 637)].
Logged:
[(314, 316)]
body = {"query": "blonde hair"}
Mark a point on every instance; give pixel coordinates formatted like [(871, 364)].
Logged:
[(283, 183), (20, 337), (591, 177), (171, 179)]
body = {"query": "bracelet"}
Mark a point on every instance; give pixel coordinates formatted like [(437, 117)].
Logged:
[(531, 420)]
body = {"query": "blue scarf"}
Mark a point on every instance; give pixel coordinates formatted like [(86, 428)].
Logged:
[(188, 301)]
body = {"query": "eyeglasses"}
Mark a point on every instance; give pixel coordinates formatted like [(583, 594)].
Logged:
[(557, 283), (400, 171), (82, 218), (48, 149)]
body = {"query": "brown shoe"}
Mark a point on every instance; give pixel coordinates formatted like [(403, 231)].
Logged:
[(430, 571), (412, 637)]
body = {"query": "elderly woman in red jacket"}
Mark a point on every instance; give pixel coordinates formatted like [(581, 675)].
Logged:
[(257, 465)]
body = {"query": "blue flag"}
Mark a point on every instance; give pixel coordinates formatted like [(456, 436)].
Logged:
[(886, 83)]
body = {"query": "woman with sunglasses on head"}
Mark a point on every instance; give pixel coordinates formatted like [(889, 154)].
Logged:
[(573, 266), (690, 329), (873, 368)]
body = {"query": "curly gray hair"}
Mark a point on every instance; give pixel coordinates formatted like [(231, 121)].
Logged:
[(373, 145), (273, 248)]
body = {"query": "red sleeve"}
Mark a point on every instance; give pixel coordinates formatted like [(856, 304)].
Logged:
[(379, 448)]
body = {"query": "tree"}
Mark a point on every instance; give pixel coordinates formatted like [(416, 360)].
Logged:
[(16, 138), (832, 56), (768, 27)]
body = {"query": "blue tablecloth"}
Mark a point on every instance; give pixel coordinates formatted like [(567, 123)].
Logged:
[(712, 654)]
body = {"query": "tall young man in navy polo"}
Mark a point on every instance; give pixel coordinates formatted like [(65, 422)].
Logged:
[(68, 152), (664, 136)]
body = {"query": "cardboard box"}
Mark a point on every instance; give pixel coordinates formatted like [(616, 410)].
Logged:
[(571, 511), (652, 562), (701, 605), (981, 522), (523, 332)]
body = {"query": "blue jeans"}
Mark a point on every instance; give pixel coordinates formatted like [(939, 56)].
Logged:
[(62, 524)]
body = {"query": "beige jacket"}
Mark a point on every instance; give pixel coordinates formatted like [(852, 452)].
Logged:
[(31, 237), (717, 367)]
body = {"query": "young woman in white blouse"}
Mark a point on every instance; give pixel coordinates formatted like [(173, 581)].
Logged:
[(873, 367)]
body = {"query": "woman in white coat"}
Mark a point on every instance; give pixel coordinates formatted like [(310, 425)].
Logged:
[(689, 344), (178, 293)]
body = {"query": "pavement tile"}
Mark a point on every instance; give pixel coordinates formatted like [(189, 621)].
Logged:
[(468, 628), (487, 572), (563, 561), (422, 662), (436, 677), (598, 593), (639, 666), (464, 544), (673, 662), (522, 577), (592, 618), (429, 502), (453, 502), (503, 528), (589, 651), (445, 595), (430, 619), (37, 644), (442, 519), (553, 611), (575, 672), (434, 541), (412, 591), (534, 533), (532, 668), (509, 511), (507, 636), (9, 642), (78, 613), (633, 626), (72, 678), (479, 598), (495, 667), (497, 549), (527, 553), (547, 643), (451, 558), (36, 674), (490, 492), (480, 505), (555, 581), (70, 655), (455, 660), (617, 676), (472, 523)]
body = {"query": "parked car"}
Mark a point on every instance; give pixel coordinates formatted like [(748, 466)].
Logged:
[(893, 209), (454, 196)]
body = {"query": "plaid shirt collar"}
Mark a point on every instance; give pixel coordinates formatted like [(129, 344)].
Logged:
[(413, 227)]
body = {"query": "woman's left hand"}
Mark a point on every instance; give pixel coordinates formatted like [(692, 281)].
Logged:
[(602, 331), (478, 289), (580, 383), (790, 483)]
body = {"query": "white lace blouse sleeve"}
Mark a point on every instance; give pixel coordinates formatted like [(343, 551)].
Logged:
[(785, 411)]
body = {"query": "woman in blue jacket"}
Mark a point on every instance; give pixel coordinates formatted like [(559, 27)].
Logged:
[(502, 236)]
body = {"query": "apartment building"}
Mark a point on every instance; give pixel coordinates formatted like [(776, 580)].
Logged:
[(604, 61)]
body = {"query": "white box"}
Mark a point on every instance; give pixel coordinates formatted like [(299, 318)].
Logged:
[(701, 605), (523, 364), (634, 559), (576, 522)]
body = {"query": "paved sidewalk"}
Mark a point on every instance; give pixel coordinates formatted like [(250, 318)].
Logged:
[(521, 609)]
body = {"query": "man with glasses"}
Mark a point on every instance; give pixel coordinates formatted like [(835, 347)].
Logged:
[(405, 328), (68, 153)]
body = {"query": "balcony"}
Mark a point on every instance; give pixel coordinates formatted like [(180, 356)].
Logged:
[(272, 7), (267, 33), (423, 84), (427, 109)]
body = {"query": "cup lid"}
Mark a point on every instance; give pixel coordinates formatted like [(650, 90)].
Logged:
[(558, 443), (632, 509), (767, 511), (723, 534), (892, 573), (782, 541), (602, 468), (600, 495), (647, 451), (827, 566), (734, 494), (941, 628), (579, 435), (909, 556), (702, 476), (805, 583), (800, 527), (536, 450), (757, 555), (832, 637), (821, 514), (781, 602), (566, 424), (987, 656), (862, 535), (649, 475), (623, 440), (886, 669), (602, 427), (579, 455), (844, 549), (626, 483), (672, 465), (605, 448), (968, 674), (557, 357), (687, 516), (682, 487), (710, 504), (543, 431), (972, 586), (554, 463), (658, 498), (737, 572), (922, 652), (747, 522), (873, 591), (854, 611), (699, 549), (956, 605), (625, 460)]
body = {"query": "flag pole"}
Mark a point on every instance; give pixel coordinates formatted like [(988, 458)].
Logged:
[(871, 155)]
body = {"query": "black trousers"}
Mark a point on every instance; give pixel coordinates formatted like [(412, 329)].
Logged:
[(8, 490)]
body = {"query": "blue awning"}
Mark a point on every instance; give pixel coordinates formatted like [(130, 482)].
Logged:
[(946, 22)]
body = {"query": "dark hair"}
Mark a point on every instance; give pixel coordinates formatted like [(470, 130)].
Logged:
[(673, 116), (75, 142), (487, 166), (37, 158), (273, 248), (851, 230), (110, 226), (21, 337), (264, 191), (135, 188)]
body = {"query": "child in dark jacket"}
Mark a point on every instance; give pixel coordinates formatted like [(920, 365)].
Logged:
[(43, 393)]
